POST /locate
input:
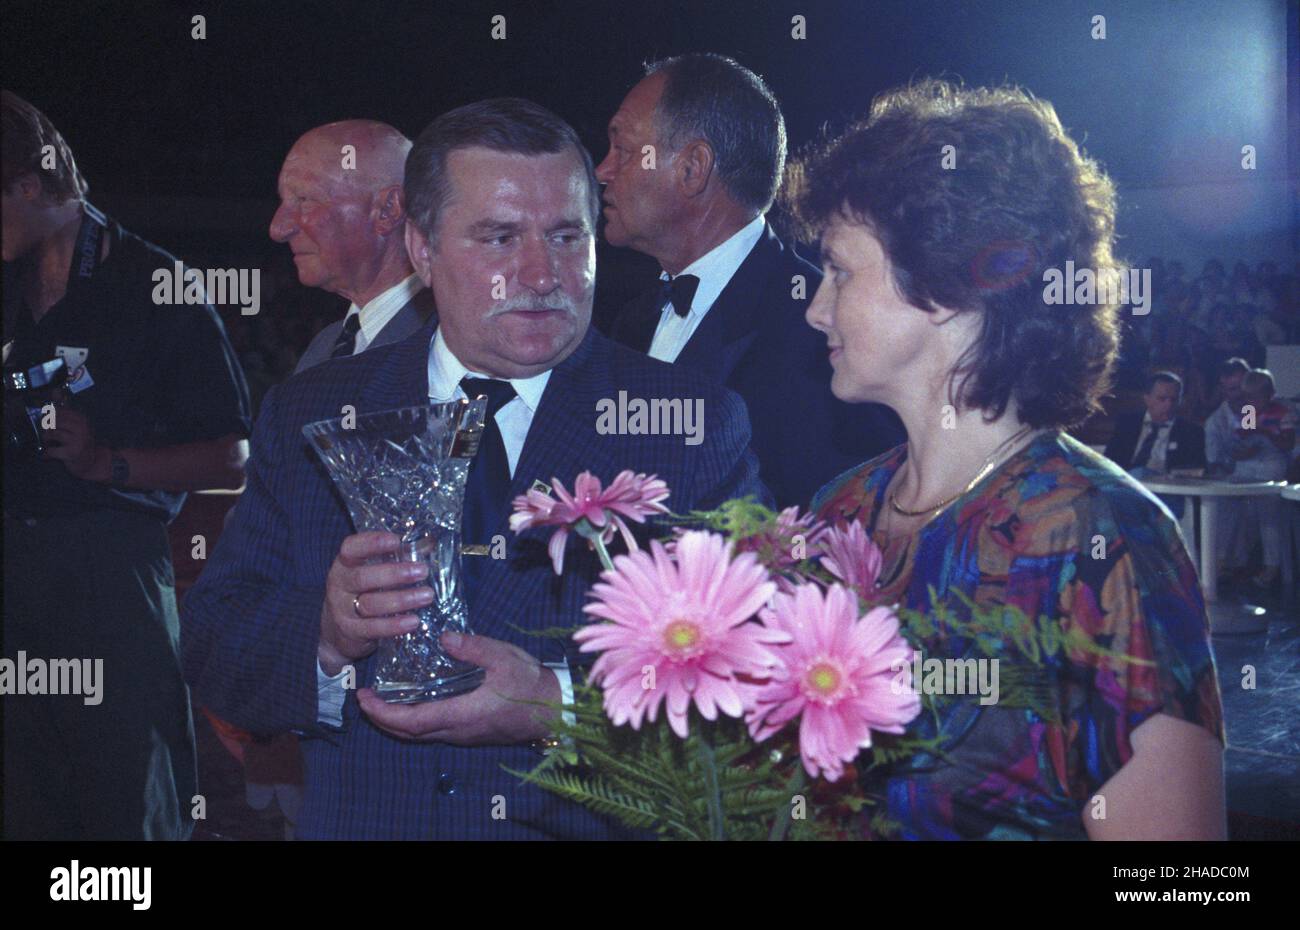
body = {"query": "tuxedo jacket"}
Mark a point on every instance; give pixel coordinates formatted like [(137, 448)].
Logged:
[(755, 340), (1186, 442), (251, 624), (410, 318)]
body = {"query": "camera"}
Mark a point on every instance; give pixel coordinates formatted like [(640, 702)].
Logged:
[(27, 392)]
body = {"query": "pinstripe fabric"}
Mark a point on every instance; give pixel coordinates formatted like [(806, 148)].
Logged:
[(251, 624)]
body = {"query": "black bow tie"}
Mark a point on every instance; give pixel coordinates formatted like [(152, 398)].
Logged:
[(679, 291)]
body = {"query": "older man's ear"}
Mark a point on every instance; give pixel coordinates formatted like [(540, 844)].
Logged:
[(417, 249), (390, 210)]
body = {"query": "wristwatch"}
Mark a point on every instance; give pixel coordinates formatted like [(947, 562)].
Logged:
[(119, 470), (546, 745)]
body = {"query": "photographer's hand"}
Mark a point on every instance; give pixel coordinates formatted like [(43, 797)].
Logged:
[(72, 442)]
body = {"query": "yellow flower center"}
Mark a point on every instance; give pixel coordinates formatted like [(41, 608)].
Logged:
[(823, 679), (681, 635)]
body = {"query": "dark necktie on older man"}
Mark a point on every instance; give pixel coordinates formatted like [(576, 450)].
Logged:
[(487, 491), (346, 344)]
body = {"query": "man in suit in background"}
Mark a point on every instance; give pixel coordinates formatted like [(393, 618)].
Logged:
[(341, 212), (1154, 441), (502, 200), (696, 154)]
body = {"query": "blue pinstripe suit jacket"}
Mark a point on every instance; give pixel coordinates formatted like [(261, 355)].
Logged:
[(251, 624)]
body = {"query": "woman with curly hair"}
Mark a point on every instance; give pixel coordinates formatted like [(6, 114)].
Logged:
[(942, 218)]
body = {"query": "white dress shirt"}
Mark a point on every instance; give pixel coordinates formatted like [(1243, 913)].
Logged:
[(1219, 429), (714, 269), (1160, 450), (379, 312), (513, 420)]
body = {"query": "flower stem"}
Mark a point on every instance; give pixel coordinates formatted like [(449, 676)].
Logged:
[(599, 545), (714, 796), (782, 825)]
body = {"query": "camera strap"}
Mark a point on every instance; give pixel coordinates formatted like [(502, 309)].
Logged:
[(85, 256)]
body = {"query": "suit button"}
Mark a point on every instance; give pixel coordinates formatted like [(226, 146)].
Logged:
[(446, 784)]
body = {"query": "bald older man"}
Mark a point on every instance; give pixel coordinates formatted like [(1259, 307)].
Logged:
[(341, 212)]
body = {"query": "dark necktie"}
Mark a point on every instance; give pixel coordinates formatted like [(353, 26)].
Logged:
[(679, 291), (346, 344), (487, 492), (1144, 451)]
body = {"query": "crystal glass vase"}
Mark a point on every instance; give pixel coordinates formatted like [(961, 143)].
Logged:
[(404, 471)]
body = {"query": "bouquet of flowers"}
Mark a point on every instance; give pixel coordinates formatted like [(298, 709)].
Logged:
[(744, 669)]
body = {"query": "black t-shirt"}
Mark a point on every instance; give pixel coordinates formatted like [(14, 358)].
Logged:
[(146, 375)]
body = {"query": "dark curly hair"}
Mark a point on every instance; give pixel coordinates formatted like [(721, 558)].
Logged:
[(978, 235)]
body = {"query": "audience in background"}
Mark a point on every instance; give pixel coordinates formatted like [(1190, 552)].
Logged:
[(1212, 331), (1195, 323)]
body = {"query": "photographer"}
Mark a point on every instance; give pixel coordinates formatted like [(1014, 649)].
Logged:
[(154, 405)]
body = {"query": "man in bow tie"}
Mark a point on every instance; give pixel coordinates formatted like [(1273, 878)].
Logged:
[(502, 203), (696, 153)]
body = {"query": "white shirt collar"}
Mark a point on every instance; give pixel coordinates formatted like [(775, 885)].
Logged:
[(716, 267), (380, 310), (446, 371)]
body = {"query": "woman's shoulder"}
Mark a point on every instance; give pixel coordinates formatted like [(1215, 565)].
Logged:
[(1058, 497), (1062, 474), (852, 494)]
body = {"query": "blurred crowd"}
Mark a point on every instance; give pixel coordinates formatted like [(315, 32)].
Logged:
[(1197, 322)]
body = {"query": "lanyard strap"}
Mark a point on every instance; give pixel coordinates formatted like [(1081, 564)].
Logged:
[(85, 257)]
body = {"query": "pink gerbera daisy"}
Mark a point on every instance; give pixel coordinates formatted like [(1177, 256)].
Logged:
[(679, 631), (839, 672), (850, 555), (781, 544), (589, 510)]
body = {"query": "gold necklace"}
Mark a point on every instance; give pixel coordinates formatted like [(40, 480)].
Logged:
[(979, 476)]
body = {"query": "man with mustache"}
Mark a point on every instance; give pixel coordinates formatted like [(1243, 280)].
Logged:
[(502, 205), (696, 153), (341, 212)]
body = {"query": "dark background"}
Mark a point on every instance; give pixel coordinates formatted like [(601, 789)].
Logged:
[(182, 139), (151, 111)]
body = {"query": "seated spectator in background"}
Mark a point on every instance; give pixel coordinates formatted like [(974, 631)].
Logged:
[(1155, 441), (345, 224), (1223, 422), (1261, 451), (1265, 434)]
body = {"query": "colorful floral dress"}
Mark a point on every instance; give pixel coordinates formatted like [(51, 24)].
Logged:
[(1059, 532)]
